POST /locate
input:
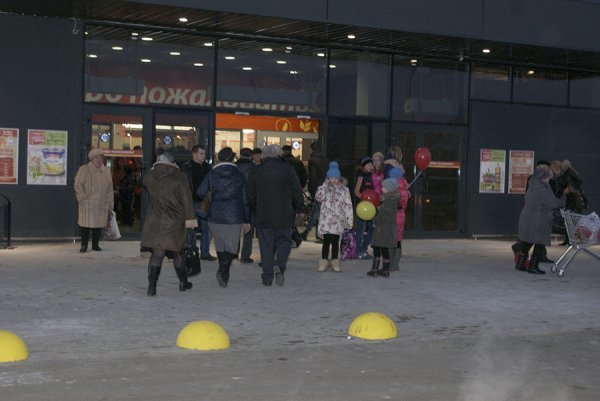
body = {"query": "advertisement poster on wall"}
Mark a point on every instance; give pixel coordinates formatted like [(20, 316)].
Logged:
[(9, 155), (492, 170), (520, 167), (46, 157)]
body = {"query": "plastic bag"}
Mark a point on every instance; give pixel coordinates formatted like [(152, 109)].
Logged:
[(348, 245), (111, 231)]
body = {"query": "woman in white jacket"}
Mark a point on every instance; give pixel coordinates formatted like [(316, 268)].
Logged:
[(336, 215)]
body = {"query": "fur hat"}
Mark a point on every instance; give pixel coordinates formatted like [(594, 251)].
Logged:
[(226, 154), (390, 184), (365, 160), (396, 173), (334, 170), (246, 153), (271, 151), (95, 152)]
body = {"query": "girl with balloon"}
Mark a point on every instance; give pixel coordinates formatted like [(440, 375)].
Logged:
[(336, 215), (403, 190), (384, 233), (363, 190)]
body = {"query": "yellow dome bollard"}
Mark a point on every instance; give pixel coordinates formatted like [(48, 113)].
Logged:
[(203, 335), (12, 348), (373, 326)]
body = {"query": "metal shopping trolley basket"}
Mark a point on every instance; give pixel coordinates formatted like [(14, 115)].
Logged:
[(583, 232)]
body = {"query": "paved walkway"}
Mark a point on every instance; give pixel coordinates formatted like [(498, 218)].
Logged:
[(471, 328)]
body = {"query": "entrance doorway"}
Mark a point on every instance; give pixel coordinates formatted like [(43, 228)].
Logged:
[(436, 207)]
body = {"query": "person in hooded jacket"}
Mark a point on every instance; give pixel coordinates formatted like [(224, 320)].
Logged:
[(170, 212), (384, 234), (403, 190), (363, 182), (535, 221), (229, 210)]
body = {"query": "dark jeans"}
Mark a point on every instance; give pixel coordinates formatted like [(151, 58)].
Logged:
[(363, 241), (383, 252), (247, 243), (275, 246), (206, 236), (314, 216), (330, 241)]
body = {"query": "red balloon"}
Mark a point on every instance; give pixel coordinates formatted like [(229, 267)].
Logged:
[(371, 196), (422, 158)]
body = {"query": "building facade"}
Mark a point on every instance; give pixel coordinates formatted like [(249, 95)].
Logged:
[(489, 87)]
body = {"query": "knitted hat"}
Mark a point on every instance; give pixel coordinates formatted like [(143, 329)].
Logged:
[(396, 173), (365, 160), (390, 184), (95, 152), (226, 154), (334, 170)]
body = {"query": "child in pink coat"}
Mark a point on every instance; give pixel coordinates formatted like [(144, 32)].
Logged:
[(396, 253)]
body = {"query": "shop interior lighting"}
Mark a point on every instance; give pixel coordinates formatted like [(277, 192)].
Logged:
[(267, 49), (164, 127), (208, 44), (182, 128), (147, 38), (293, 72), (530, 72), (332, 66), (133, 126), (281, 62), (229, 58), (134, 34), (146, 60), (86, 32), (321, 54), (288, 48), (118, 48), (129, 134), (198, 65), (92, 55), (248, 131), (247, 68), (351, 36), (175, 53), (183, 19), (414, 61), (486, 51)]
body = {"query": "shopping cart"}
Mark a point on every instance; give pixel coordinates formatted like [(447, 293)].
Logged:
[(583, 232)]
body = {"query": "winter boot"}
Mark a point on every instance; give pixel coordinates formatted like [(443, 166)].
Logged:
[(374, 267), (85, 237), (335, 265), (221, 272), (521, 264), (184, 284), (153, 273), (96, 239), (395, 255), (385, 271), (533, 265), (323, 265), (229, 258)]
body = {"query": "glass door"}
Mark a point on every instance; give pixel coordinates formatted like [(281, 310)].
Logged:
[(178, 131), (437, 205), (120, 132)]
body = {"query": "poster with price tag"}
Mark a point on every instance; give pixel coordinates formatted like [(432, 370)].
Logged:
[(9, 155), (46, 157)]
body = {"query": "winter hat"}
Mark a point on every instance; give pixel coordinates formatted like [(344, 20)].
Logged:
[(95, 152), (334, 170), (396, 173), (246, 153), (226, 154), (365, 160), (378, 155), (390, 184)]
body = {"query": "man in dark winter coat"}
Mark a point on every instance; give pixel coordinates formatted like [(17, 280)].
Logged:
[(317, 169), (245, 165), (195, 170), (298, 166), (275, 197)]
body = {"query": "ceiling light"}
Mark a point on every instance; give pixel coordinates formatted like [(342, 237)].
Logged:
[(321, 54), (198, 65), (229, 58), (530, 72), (134, 34), (293, 72), (267, 49), (486, 51), (92, 55), (288, 48), (351, 36), (146, 60), (175, 53), (281, 62), (208, 44), (117, 48), (183, 19), (86, 32), (247, 68), (332, 65), (147, 38), (414, 61)]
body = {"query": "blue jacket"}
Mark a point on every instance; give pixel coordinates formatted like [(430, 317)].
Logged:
[(229, 203)]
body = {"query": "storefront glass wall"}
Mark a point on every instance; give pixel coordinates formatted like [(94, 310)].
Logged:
[(271, 77), (429, 90), (359, 84), (490, 82), (534, 85), (584, 90), (133, 67)]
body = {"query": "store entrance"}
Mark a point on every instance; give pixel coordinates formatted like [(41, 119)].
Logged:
[(244, 131)]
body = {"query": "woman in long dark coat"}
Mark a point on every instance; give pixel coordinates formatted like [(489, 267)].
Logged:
[(535, 221), (170, 212)]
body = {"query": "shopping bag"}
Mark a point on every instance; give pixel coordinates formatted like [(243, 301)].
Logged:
[(111, 231), (296, 237), (201, 209), (190, 259), (348, 245)]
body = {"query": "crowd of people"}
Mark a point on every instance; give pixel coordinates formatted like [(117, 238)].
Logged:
[(260, 194)]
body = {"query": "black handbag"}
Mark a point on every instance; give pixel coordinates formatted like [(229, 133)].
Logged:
[(201, 208), (296, 237), (558, 223), (190, 259)]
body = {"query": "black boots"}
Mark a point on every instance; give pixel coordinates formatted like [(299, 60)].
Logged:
[(385, 270), (184, 284), (533, 265), (153, 273), (85, 237), (374, 267), (96, 238), (225, 259), (521, 263)]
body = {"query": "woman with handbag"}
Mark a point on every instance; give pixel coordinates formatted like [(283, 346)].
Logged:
[(228, 211), (170, 213)]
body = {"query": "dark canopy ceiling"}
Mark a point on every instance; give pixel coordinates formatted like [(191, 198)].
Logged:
[(165, 20)]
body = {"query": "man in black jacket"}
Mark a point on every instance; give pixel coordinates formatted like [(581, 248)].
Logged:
[(245, 164), (318, 165), (275, 197), (196, 170), (298, 166)]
